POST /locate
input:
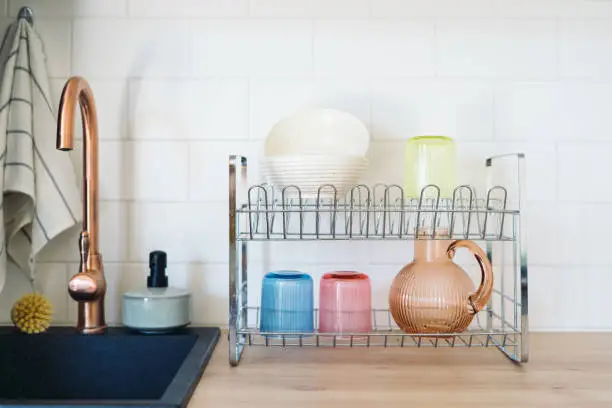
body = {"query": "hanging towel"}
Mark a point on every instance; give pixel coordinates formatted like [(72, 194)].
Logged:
[(40, 197)]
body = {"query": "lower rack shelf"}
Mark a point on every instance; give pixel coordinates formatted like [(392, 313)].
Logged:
[(384, 334), (375, 338)]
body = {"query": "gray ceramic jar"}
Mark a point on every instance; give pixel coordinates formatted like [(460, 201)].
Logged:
[(156, 308)]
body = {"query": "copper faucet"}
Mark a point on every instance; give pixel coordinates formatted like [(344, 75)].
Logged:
[(87, 287)]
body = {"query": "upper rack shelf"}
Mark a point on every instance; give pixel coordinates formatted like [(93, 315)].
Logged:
[(381, 212)]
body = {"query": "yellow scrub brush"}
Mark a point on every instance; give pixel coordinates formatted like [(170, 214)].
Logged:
[(32, 313)]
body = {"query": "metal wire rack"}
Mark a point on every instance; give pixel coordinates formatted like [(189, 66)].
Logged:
[(385, 333), (383, 212)]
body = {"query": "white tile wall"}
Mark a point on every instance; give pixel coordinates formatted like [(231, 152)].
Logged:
[(160, 171), (583, 111), (71, 8), (546, 111), (310, 8), (188, 231), (583, 46), (496, 48), (151, 117), (188, 8), (373, 47), (58, 44), (584, 9), (220, 109), (582, 170), (271, 99), (528, 111), (111, 98), (180, 85), (130, 48), (463, 109), (432, 8), (526, 8), (251, 47), (206, 159), (202, 109)]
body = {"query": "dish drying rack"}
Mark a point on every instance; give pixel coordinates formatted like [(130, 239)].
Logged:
[(383, 213)]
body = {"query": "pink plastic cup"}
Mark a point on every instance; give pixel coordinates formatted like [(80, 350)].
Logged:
[(345, 303)]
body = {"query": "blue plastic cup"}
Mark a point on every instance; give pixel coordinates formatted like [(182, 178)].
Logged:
[(287, 303)]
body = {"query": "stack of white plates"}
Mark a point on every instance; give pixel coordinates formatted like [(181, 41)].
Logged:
[(314, 149), (309, 173)]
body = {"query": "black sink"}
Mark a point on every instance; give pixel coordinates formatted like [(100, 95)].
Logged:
[(118, 368)]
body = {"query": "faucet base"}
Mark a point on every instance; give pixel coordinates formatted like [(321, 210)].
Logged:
[(97, 330), (91, 317)]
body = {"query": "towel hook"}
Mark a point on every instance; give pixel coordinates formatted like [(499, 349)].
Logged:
[(26, 13)]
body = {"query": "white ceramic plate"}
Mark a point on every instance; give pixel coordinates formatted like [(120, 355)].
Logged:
[(318, 131), (313, 173), (305, 160)]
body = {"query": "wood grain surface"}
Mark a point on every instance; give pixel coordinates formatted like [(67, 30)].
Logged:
[(565, 370)]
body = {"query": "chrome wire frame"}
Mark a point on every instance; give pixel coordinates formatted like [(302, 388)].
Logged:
[(385, 333), (238, 282), (384, 213), (380, 213), (518, 292)]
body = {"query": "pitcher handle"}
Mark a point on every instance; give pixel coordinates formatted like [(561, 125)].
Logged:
[(479, 299)]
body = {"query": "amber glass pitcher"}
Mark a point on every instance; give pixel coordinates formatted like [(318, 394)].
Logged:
[(432, 294)]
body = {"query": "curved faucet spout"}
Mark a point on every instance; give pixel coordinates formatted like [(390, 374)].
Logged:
[(78, 92), (88, 287)]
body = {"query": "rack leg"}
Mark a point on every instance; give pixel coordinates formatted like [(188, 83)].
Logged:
[(244, 293), (237, 270), (490, 303), (511, 356), (521, 338), (510, 350), (237, 313), (524, 336)]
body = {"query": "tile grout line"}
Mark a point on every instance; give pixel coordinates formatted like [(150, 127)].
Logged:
[(329, 77), (313, 26), (249, 135), (557, 49), (250, 105), (557, 178), (494, 87), (435, 49), (190, 177)]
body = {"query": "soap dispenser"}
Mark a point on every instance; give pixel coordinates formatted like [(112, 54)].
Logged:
[(156, 308)]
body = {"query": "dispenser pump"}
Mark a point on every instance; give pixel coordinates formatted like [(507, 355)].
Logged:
[(157, 308), (157, 270)]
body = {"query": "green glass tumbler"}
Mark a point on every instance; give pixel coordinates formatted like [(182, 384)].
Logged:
[(429, 160)]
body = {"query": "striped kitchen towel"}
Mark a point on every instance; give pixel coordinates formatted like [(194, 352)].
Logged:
[(40, 197)]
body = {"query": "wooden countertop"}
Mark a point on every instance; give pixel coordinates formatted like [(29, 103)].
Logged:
[(565, 370)]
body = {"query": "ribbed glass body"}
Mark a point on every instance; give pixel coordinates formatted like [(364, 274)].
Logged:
[(429, 160), (345, 304), (434, 295), (287, 302)]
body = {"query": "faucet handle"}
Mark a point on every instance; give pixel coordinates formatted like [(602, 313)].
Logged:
[(84, 249)]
